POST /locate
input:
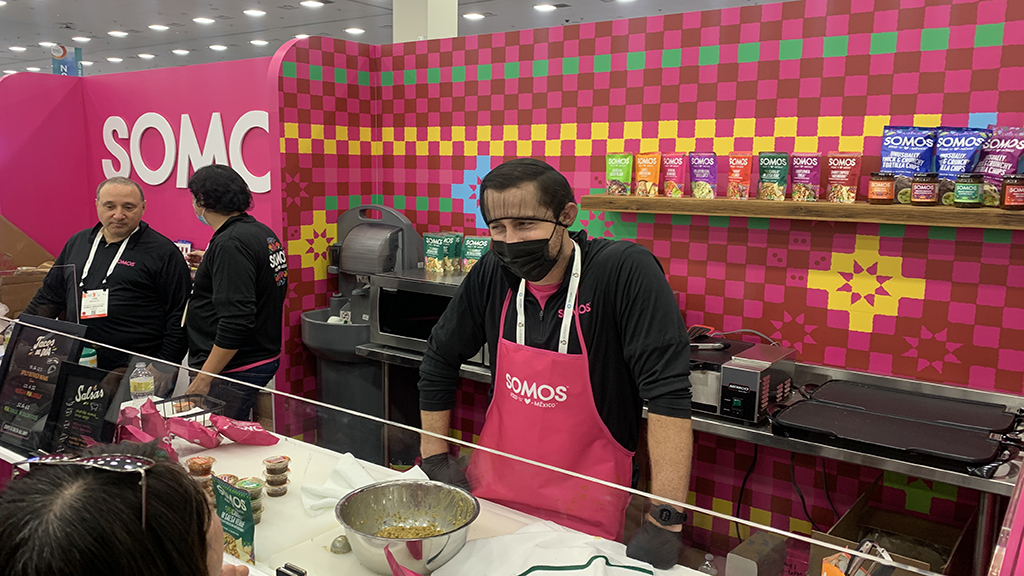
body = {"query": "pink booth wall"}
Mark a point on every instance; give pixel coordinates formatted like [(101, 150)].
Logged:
[(60, 137)]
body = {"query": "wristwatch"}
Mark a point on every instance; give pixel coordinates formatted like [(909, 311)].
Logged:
[(667, 515)]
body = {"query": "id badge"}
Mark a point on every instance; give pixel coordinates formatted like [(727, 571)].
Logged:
[(94, 304)]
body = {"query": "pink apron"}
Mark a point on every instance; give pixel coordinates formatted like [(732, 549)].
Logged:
[(543, 409)]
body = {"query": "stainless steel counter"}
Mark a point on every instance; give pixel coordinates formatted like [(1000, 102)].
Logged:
[(762, 435)]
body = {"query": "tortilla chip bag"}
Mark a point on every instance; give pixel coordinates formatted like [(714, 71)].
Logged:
[(249, 433), (129, 417), (152, 422), (193, 432)]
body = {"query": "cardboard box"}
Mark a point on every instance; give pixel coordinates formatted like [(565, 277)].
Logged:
[(20, 257), (863, 516)]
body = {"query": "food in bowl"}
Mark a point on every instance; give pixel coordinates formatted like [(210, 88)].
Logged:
[(427, 531)]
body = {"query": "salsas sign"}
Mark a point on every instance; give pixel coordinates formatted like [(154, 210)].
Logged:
[(221, 145)]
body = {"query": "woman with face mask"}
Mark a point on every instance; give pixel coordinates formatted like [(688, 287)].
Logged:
[(582, 332)]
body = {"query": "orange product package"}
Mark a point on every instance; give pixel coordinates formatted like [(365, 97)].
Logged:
[(739, 175), (648, 170)]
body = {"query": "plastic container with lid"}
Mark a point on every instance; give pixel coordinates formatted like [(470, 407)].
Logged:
[(200, 465), (276, 479), (276, 464), (278, 491), (882, 188), (254, 486), (968, 191), (1012, 196), (924, 189)]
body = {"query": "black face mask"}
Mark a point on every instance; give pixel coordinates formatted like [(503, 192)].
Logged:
[(529, 259)]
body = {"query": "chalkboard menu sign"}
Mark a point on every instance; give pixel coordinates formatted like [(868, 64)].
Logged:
[(87, 393), (31, 386)]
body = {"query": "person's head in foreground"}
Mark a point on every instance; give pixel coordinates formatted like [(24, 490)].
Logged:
[(90, 517)]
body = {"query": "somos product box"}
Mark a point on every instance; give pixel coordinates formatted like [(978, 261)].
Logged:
[(20, 271), (925, 544)]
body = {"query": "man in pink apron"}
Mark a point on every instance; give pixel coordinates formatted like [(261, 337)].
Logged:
[(582, 332)]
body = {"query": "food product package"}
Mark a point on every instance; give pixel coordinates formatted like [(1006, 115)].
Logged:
[(194, 432), (473, 249), (434, 249), (773, 171), (129, 416), (673, 170), (806, 168), (740, 164), (618, 173), (1000, 154), (453, 251), (703, 174), (152, 422), (843, 176), (135, 434), (235, 512), (249, 433), (648, 170), (907, 150)]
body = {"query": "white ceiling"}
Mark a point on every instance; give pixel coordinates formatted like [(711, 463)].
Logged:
[(26, 23)]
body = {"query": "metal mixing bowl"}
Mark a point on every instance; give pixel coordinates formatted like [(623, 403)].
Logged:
[(366, 511)]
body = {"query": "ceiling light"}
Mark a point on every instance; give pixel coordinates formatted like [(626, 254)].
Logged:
[(258, 42), (3, 3), (302, 36), (218, 47), (81, 39), (117, 33), (85, 63), (544, 7), (201, 20), (256, 13), (9, 71), (114, 59), (354, 30), (47, 44), (32, 69), (18, 48), (473, 16), (146, 56), (180, 52), (159, 27), (311, 3)]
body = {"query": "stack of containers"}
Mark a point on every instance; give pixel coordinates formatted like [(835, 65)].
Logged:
[(254, 486), (200, 468), (276, 475)]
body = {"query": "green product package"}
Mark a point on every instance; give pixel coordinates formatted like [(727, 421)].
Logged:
[(473, 249), (619, 174), (435, 250), (235, 512), (453, 251), (773, 171)]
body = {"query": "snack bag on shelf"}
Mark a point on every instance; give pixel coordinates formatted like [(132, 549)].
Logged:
[(740, 164), (673, 170), (618, 173), (473, 249), (648, 170), (956, 150), (907, 150), (806, 168), (773, 171), (435, 252), (843, 176), (703, 174)]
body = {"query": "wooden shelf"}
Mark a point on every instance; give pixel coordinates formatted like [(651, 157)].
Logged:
[(949, 216)]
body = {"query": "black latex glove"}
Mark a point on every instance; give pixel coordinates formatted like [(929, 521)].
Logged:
[(655, 545), (443, 468)]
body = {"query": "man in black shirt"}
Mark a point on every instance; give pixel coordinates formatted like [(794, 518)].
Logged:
[(129, 286), (234, 314), (582, 332)]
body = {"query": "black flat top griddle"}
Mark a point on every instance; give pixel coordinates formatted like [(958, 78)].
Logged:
[(965, 413), (941, 432), (972, 447)]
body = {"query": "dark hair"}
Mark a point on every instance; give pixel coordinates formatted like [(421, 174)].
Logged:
[(60, 519), (220, 189), (555, 191), (120, 181)]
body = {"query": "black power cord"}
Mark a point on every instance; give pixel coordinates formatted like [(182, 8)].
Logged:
[(743, 487), (824, 480), (792, 475)]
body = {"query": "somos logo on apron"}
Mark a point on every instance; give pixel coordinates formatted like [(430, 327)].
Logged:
[(530, 393)]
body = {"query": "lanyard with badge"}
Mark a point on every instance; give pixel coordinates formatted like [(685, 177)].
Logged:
[(94, 302)]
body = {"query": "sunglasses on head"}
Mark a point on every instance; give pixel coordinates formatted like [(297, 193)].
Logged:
[(108, 462)]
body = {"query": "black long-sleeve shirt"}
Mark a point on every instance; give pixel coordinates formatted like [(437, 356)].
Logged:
[(238, 296), (147, 294), (636, 339)]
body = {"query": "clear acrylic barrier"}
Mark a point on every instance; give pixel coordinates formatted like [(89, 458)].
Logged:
[(525, 505)]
